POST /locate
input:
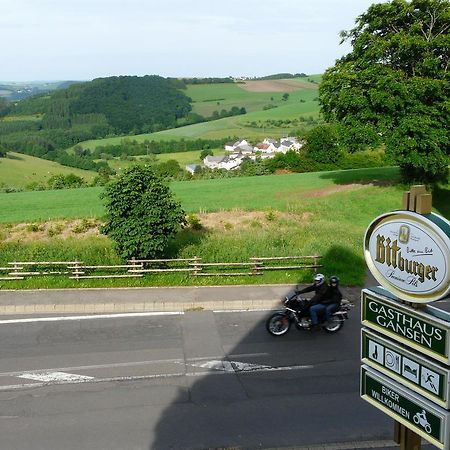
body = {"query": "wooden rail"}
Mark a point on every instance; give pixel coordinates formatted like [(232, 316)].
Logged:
[(19, 270)]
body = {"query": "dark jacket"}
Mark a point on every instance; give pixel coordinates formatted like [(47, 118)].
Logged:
[(332, 295), (319, 292)]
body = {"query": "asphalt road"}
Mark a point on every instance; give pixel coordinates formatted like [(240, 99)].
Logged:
[(193, 380)]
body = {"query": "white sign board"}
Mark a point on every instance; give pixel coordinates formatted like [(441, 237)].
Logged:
[(408, 254)]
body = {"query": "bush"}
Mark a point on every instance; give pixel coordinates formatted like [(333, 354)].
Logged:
[(142, 215), (65, 181), (194, 222)]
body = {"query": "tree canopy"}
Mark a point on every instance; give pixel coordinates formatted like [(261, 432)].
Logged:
[(393, 87), (141, 213)]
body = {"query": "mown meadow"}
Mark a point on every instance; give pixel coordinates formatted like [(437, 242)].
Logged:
[(19, 170), (282, 215)]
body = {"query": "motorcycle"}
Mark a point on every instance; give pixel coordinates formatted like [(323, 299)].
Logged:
[(296, 311)]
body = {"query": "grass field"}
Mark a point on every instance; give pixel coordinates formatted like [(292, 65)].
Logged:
[(281, 192), (19, 170), (282, 215), (183, 158)]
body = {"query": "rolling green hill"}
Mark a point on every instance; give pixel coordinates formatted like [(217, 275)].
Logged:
[(256, 124), (19, 170), (43, 126)]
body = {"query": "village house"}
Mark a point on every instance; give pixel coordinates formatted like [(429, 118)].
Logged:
[(241, 149)]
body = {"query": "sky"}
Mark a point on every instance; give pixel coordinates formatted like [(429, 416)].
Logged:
[(86, 39)]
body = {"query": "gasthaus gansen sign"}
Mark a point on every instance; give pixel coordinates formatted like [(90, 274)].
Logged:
[(408, 254)]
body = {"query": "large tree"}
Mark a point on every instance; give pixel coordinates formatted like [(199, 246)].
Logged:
[(393, 87), (141, 213)]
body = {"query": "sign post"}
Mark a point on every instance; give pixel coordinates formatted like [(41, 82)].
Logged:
[(405, 344)]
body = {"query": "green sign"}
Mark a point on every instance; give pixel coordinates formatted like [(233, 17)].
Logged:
[(423, 417), (417, 329), (420, 374)]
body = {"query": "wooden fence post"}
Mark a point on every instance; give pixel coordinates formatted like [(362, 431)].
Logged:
[(197, 267)]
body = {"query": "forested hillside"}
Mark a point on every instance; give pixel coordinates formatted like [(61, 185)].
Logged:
[(45, 125)]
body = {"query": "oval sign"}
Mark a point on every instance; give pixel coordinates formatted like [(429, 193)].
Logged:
[(409, 254)]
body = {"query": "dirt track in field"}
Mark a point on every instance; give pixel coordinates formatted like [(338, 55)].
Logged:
[(275, 85)]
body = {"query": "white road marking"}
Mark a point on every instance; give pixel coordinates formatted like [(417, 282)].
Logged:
[(236, 366), (125, 364), (48, 377), (220, 368), (241, 310), (117, 316), (91, 317)]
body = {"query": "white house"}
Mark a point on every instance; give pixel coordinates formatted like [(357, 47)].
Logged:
[(191, 168), (245, 149), (261, 147), (223, 162), (212, 162)]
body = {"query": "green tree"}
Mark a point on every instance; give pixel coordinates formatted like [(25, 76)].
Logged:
[(285, 96), (393, 87), (206, 152), (323, 144), (142, 214)]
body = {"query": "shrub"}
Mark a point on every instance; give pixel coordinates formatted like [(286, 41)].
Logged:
[(141, 213), (194, 222)]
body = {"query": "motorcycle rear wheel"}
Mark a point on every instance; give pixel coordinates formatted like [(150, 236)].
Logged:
[(333, 325), (278, 324)]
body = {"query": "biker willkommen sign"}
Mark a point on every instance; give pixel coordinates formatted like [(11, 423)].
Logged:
[(405, 347), (426, 419)]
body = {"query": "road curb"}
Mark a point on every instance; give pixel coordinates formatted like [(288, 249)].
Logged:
[(148, 299), (237, 305)]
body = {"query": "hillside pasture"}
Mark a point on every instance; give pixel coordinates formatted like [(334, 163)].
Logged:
[(183, 158), (208, 98), (19, 170), (285, 192), (252, 95)]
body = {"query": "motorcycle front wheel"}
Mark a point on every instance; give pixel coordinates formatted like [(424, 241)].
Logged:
[(333, 325), (278, 324)]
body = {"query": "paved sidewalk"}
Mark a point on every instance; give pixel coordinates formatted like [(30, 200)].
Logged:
[(88, 301)]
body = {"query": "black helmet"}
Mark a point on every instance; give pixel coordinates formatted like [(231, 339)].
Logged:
[(334, 280)]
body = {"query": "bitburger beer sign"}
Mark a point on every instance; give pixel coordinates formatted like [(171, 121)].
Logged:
[(408, 254)]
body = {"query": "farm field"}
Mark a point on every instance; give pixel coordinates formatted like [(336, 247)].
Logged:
[(19, 170), (252, 95), (301, 103)]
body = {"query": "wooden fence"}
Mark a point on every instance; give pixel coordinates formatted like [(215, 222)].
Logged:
[(135, 268)]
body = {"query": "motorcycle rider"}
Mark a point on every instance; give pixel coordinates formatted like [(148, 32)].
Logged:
[(332, 298), (319, 287), (326, 299)]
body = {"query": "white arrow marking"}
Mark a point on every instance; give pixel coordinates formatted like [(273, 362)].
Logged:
[(236, 366), (49, 377)]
